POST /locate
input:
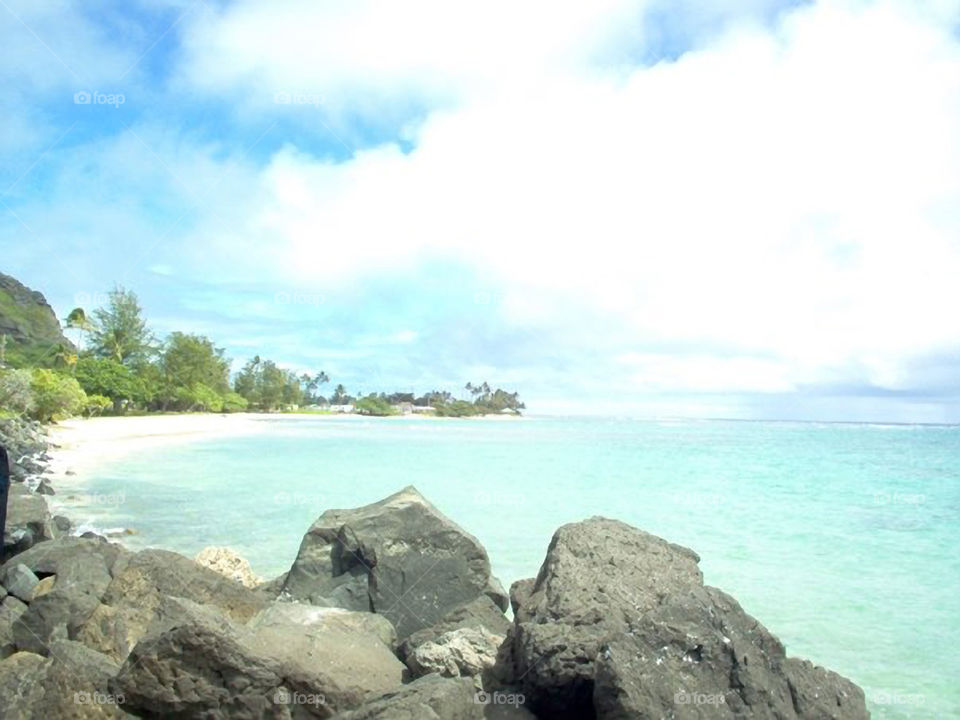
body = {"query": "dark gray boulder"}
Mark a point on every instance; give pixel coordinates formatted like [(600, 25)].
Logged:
[(80, 572), (480, 613), (400, 557), (820, 693), (204, 665), (619, 625), (28, 521), (429, 698), (11, 610), (132, 601), (71, 683)]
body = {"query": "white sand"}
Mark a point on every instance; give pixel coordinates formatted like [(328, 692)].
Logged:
[(84, 443)]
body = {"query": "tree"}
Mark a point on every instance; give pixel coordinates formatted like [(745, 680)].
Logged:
[(339, 396), (107, 377), (77, 320), (374, 405), (119, 330), (267, 386), (188, 361)]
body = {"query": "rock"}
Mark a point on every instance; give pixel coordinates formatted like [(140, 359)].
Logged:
[(320, 618), (19, 581), (229, 564), (273, 588), (399, 557), (43, 587), (520, 591), (72, 683), (353, 648), (62, 525), (18, 684), (28, 521), (467, 652), (206, 666), (480, 613), (83, 570), (620, 625), (132, 601), (80, 583), (3, 592), (10, 611), (429, 698), (45, 488), (821, 693)]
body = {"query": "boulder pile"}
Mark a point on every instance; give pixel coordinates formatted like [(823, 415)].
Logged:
[(390, 611)]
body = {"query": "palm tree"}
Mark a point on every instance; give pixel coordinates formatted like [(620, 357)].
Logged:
[(78, 320)]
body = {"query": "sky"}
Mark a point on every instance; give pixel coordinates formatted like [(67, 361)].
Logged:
[(655, 208)]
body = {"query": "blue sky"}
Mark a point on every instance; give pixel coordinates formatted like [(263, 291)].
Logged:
[(743, 209)]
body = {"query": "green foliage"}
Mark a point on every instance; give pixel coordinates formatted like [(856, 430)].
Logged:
[(266, 386), (234, 402), (55, 396), (96, 405), (119, 330), (198, 397), (457, 408), (374, 405), (16, 394), (107, 377)]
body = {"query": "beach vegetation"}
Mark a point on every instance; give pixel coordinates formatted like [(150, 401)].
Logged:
[(375, 405)]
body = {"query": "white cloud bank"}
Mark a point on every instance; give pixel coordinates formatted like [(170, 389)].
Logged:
[(788, 195)]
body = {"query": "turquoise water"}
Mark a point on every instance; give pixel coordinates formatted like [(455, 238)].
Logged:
[(842, 539)]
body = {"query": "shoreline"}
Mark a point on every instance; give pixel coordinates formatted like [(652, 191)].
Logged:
[(78, 445)]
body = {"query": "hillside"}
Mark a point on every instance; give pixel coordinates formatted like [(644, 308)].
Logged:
[(32, 331)]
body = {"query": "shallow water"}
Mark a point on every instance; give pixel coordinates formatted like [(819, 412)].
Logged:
[(842, 539)]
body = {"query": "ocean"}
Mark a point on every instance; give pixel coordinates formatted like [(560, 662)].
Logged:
[(843, 539)]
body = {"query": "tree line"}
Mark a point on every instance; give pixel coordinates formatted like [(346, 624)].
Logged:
[(119, 366)]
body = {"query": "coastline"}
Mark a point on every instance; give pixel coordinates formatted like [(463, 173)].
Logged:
[(78, 445)]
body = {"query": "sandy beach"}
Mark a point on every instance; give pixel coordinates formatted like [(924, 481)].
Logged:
[(83, 443)]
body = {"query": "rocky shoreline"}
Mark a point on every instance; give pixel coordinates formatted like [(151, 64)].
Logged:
[(388, 611)]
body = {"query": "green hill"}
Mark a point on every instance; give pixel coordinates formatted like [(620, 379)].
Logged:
[(33, 333)]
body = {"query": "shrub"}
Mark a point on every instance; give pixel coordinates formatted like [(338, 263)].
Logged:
[(55, 396), (234, 402), (373, 405), (16, 395), (96, 404)]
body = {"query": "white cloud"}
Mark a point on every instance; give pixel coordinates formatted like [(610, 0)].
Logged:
[(790, 194)]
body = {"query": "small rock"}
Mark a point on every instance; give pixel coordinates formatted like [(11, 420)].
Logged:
[(20, 581), (468, 652), (44, 488), (43, 587), (431, 696), (229, 564)]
